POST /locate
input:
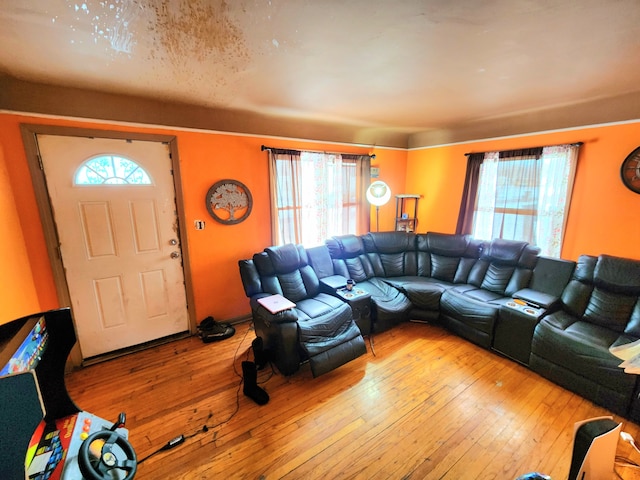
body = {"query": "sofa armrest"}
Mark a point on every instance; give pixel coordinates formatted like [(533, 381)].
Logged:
[(536, 298), (285, 316), (332, 283)]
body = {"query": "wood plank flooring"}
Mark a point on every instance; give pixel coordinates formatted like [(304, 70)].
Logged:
[(428, 405)]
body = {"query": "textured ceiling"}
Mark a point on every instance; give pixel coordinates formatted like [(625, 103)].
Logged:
[(421, 69)]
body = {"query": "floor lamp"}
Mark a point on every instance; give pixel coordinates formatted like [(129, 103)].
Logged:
[(378, 194)]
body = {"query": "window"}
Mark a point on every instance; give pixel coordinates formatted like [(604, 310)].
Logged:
[(522, 195), (317, 195), (111, 170), (506, 206)]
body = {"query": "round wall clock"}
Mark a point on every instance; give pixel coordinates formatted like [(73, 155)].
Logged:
[(630, 171), (229, 201)]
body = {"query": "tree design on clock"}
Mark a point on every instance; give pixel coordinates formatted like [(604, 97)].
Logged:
[(229, 201)]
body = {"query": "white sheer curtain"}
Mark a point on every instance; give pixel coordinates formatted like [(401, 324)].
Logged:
[(526, 197), (485, 209), (322, 184), (557, 173), (286, 201), (317, 195)]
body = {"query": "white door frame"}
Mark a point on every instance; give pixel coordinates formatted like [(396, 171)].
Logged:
[(29, 132)]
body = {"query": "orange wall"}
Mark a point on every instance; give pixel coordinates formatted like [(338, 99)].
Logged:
[(18, 292), (393, 171), (604, 216), (205, 158)]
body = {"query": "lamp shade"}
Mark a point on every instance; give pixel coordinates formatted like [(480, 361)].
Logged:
[(378, 193)]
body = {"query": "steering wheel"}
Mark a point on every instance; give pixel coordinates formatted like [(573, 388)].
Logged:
[(93, 468)]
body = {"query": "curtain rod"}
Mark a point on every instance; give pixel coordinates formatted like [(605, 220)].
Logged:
[(575, 144), (264, 147)]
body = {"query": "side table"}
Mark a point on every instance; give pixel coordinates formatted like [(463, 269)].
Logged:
[(514, 330), (360, 302)]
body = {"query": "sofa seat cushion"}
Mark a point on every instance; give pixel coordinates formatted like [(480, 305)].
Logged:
[(317, 306), (389, 306), (463, 288), (582, 348), (483, 295), (424, 293), (470, 318)]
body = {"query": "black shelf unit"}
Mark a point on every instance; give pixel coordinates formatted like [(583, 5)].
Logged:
[(406, 220)]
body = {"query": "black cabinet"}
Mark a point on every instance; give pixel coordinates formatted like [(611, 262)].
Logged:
[(514, 330)]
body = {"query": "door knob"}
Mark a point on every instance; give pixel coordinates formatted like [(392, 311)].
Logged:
[(175, 254)]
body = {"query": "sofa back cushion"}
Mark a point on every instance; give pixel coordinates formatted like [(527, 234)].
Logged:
[(551, 275), (250, 277), (320, 260), (357, 268), (576, 294), (605, 291), (391, 253), (345, 246), (616, 294), (285, 270), (268, 279), (349, 258), (446, 257), (609, 309), (633, 325), (619, 275), (505, 267)]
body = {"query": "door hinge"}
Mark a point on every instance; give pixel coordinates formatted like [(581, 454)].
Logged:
[(39, 158)]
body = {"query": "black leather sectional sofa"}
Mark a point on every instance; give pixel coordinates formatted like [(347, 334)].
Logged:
[(557, 317), (320, 329)]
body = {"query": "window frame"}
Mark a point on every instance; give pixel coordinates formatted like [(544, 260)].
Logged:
[(86, 166)]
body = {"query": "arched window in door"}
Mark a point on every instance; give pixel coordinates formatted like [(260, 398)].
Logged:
[(111, 170)]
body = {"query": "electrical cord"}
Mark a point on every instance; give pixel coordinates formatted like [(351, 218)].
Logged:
[(627, 437), (623, 461), (180, 439), (626, 462)]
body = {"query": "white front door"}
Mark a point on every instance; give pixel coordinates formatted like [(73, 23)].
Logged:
[(118, 233)]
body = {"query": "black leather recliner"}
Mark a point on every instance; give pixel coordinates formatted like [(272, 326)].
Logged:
[(600, 308), (320, 328)]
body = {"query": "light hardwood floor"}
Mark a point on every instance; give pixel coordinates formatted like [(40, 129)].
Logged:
[(427, 405)]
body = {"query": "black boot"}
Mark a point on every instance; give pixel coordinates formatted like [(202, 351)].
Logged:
[(210, 331), (260, 355), (251, 388)]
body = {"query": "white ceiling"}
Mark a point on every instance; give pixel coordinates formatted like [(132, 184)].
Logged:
[(409, 67)]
